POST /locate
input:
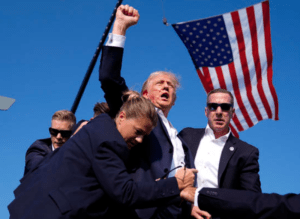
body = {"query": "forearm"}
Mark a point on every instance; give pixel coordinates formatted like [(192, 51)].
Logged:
[(112, 83), (248, 205)]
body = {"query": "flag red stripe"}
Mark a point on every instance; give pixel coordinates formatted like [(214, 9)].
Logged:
[(205, 79), (256, 59), (266, 17), (237, 123), (237, 94), (242, 51), (234, 132), (221, 77)]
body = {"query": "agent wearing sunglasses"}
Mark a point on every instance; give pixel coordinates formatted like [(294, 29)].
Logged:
[(222, 160), (60, 131)]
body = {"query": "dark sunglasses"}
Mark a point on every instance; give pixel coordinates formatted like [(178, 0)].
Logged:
[(64, 133), (224, 106)]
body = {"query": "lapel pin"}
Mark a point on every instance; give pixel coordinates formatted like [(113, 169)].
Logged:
[(231, 148)]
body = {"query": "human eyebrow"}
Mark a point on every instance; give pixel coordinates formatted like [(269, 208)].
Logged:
[(171, 84)]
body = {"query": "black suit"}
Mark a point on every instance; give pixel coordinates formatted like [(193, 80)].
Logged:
[(238, 168), (36, 152), (154, 156), (237, 204), (86, 176)]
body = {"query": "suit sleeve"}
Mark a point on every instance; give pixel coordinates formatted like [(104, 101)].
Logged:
[(34, 155), (249, 177), (114, 179), (248, 205), (112, 84)]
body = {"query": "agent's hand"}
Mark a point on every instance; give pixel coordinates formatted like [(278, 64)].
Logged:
[(81, 125), (126, 16), (199, 214), (185, 177), (188, 194)]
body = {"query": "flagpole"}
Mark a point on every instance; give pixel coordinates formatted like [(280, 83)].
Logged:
[(94, 60)]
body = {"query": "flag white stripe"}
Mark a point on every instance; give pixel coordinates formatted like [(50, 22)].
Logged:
[(263, 58), (214, 77), (251, 65), (238, 68)]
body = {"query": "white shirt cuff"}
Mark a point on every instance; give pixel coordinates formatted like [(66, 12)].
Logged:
[(196, 197), (116, 40)]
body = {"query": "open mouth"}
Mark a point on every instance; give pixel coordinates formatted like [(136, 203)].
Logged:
[(165, 96)]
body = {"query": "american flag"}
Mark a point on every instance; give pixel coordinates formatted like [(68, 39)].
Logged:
[(233, 51)]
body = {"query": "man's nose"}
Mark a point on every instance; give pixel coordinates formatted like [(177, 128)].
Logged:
[(219, 110), (58, 135), (166, 86)]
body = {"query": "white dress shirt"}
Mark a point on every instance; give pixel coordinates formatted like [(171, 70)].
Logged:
[(207, 159), (178, 152)]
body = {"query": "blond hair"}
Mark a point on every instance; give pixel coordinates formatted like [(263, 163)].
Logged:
[(65, 115), (174, 79), (136, 106)]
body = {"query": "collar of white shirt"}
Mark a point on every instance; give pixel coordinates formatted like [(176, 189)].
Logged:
[(210, 133), (178, 152)]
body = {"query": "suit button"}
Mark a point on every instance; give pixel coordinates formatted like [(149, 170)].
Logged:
[(166, 170), (171, 150)]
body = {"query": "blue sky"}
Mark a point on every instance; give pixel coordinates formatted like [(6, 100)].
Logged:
[(46, 47)]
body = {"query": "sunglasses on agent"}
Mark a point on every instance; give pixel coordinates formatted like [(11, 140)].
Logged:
[(64, 133), (224, 106)]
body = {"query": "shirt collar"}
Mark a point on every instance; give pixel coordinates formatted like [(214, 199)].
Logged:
[(209, 132)]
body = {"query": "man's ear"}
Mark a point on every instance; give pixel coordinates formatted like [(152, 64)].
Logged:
[(206, 111), (233, 112), (120, 118), (122, 115), (145, 94)]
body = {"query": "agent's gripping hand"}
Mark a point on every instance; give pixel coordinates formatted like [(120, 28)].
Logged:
[(185, 177)]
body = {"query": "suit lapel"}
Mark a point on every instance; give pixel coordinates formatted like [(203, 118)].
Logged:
[(228, 150), (189, 162), (194, 147), (159, 149), (162, 127)]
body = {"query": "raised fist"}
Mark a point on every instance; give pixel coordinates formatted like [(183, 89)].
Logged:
[(126, 16)]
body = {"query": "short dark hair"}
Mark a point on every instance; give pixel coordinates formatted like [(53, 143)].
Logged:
[(220, 90), (100, 108)]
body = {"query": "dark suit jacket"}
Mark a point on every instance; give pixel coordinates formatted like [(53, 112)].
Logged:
[(77, 125), (36, 152), (152, 159), (238, 168), (237, 204), (86, 176)]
